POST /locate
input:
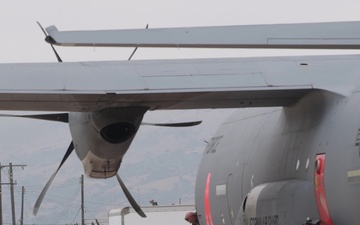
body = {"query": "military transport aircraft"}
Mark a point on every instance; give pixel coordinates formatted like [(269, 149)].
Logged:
[(289, 156)]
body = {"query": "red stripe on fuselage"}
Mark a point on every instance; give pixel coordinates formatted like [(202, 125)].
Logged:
[(208, 216), (320, 190)]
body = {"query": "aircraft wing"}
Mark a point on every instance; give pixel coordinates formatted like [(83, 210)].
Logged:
[(173, 84), (331, 35)]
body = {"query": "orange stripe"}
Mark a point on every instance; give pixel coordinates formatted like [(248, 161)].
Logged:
[(320, 190), (208, 216)]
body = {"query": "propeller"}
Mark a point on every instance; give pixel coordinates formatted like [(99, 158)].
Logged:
[(64, 117), (184, 124), (45, 189), (129, 197), (56, 54), (57, 117)]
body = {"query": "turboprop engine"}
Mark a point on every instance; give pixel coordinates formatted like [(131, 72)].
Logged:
[(102, 138)]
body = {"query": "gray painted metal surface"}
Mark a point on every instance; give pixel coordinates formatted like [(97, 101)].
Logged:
[(335, 35), (173, 84), (270, 154)]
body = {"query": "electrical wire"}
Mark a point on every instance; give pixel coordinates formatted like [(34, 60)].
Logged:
[(66, 208), (75, 216)]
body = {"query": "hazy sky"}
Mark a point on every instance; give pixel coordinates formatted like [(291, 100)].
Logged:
[(23, 41)]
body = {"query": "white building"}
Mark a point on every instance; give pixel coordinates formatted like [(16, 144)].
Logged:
[(156, 215)]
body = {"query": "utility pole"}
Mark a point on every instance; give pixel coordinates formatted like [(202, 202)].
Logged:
[(12, 194), (1, 218), (82, 201), (11, 183), (22, 205)]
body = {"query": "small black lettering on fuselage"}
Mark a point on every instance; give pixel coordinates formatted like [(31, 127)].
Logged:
[(264, 220), (357, 141), (214, 142)]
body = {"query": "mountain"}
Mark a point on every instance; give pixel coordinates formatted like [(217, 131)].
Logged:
[(160, 165)]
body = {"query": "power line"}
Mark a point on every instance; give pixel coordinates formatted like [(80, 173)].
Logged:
[(66, 208), (75, 216)]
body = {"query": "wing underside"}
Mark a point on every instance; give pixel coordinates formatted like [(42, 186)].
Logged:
[(188, 100), (173, 84)]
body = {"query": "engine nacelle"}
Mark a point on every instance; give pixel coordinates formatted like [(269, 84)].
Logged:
[(102, 138), (290, 202)]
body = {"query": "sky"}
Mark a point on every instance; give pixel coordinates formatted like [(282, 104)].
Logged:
[(23, 41)]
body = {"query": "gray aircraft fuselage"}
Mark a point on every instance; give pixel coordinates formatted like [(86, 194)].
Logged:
[(260, 166)]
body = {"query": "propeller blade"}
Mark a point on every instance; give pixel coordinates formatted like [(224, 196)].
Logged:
[(132, 54), (57, 117), (56, 54), (131, 200), (185, 124), (43, 192)]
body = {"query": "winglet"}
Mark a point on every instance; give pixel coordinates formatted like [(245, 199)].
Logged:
[(52, 31)]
